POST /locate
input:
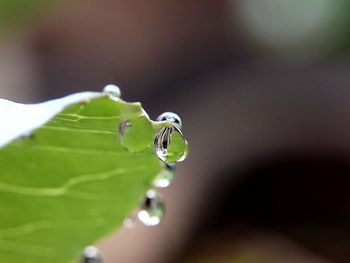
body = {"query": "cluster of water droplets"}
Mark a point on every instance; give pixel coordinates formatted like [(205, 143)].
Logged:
[(170, 147)]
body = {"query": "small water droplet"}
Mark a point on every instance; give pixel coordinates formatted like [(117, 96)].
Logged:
[(136, 134), (129, 222), (166, 176), (170, 145), (171, 117), (152, 209), (112, 90), (91, 255)]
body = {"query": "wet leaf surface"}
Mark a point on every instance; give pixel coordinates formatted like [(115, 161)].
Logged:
[(71, 182)]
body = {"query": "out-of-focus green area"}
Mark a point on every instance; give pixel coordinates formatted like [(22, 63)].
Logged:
[(298, 30), (16, 14)]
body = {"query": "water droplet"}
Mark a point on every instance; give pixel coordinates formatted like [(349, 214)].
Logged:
[(152, 209), (112, 90), (91, 255), (129, 222), (170, 145), (136, 134), (166, 176), (171, 117)]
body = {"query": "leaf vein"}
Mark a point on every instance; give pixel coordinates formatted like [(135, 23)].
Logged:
[(77, 130), (63, 189)]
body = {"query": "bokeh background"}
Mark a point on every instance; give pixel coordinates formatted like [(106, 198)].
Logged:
[(263, 88)]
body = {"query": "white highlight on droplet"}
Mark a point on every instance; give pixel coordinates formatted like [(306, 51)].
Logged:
[(91, 252), (148, 220)]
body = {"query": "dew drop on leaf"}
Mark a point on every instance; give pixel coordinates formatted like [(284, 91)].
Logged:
[(171, 117), (166, 176), (136, 134), (112, 90), (170, 145), (152, 209)]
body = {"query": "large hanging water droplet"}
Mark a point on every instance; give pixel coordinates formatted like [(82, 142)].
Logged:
[(91, 255), (171, 117), (136, 134), (166, 176), (170, 145), (152, 209), (112, 90)]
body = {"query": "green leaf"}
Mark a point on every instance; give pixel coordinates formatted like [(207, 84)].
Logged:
[(70, 181), (14, 13)]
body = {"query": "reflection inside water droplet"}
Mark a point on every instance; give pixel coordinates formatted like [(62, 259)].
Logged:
[(166, 176), (136, 134), (124, 124), (170, 145), (91, 255), (152, 209), (112, 90)]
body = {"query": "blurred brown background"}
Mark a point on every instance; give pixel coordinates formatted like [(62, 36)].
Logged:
[(263, 88)]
